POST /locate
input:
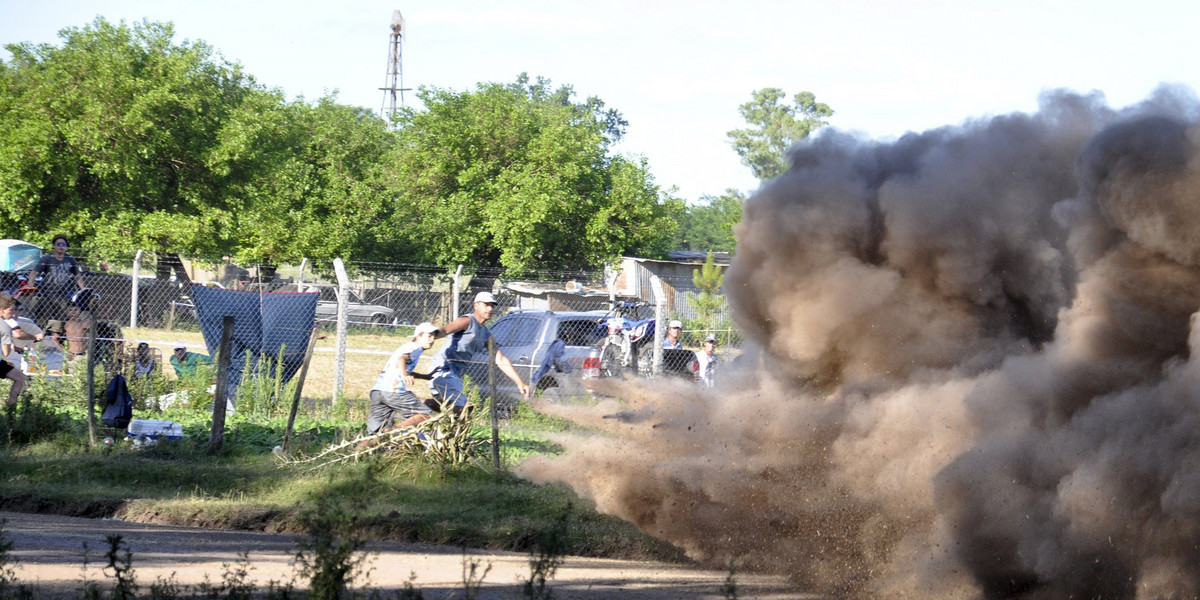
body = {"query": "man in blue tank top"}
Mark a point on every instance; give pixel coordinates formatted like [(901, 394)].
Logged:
[(465, 354)]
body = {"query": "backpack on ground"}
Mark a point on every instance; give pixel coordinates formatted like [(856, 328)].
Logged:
[(119, 408)]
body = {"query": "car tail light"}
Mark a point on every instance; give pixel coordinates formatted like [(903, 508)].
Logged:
[(591, 367), (695, 370)]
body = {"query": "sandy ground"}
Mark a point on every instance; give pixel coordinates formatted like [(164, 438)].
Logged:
[(50, 553)]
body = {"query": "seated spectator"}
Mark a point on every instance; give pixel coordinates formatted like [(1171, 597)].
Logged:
[(10, 332), (144, 364), (76, 329), (185, 362)]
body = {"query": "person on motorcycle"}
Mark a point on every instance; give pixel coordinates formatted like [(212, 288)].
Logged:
[(468, 339), (672, 341)]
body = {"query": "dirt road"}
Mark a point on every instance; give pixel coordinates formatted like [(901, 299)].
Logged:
[(50, 554)]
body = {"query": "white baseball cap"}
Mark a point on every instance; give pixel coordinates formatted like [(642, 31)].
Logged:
[(179, 344), (485, 297), (425, 327), (675, 323)]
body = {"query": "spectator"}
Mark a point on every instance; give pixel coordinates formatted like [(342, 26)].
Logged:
[(10, 367), (60, 278), (468, 341), (672, 342), (393, 389), (76, 328), (144, 364), (185, 362), (708, 359)]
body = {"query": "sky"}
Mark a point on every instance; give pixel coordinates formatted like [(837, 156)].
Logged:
[(679, 70)]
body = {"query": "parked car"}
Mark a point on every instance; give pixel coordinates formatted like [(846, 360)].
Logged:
[(357, 309), (526, 336)]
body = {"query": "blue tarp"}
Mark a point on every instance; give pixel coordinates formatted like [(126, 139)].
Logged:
[(262, 324)]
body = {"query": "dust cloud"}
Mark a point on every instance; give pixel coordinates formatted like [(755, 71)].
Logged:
[(973, 369)]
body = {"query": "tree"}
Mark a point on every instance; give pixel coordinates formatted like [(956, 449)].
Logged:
[(128, 140), (708, 301), (709, 224), (520, 176), (775, 127), (114, 129)]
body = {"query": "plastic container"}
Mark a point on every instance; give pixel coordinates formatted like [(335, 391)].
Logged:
[(166, 430)]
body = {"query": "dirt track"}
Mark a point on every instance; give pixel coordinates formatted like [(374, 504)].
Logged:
[(50, 551)]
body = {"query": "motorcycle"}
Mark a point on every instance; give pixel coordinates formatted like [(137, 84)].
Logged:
[(626, 343)]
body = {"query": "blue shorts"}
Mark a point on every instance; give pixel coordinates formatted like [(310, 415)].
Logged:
[(447, 387)]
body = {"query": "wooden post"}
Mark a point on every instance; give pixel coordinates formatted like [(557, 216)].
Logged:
[(171, 316), (287, 433), (495, 407), (217, 437), (91, 384)]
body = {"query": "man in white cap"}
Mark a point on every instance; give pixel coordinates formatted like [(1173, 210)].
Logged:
[(392, 393), (672, 341), (185, 362), (463, 353)]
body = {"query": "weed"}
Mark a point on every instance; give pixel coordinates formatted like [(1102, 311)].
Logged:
[(120, 568), (729, 589), (545, 558), (10, 587), (410, 592), (329, 556), (472, 577)]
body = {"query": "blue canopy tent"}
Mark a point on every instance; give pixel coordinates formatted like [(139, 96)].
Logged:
[(263, 323), (16, 255)]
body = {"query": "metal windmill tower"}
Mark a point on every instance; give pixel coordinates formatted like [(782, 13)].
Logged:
[(394, 83)]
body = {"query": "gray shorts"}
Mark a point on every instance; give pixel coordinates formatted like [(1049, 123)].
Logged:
[(385, 405)]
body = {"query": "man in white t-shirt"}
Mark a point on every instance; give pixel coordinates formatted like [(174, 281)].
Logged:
[(391, 394), (708, 360)]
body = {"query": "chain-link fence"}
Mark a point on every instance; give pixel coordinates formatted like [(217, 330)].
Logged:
[(151, 299)]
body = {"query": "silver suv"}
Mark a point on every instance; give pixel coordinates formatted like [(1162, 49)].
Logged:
[(526, 336)]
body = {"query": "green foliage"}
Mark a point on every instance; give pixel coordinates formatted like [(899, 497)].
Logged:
[(709, 224), (520, 176), (774, 127), (129, 140), (709, 301)]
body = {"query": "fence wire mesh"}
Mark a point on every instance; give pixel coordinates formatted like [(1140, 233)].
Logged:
[(149, 299)]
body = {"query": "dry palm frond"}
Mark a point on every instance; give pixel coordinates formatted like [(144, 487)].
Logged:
[(446, 439)]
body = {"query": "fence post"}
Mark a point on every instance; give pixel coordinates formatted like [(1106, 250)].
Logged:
[(491, 344), (133, 293), (454, 294), (339, 374), (300, 275), (217, 437), (287, 433), (659, 310), (91, 383)]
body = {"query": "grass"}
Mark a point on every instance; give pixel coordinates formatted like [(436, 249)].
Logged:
[(46, 465)]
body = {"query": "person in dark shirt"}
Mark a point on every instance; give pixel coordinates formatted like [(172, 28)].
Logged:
[(61, 276)]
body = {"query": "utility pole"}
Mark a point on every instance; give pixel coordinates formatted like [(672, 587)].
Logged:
[(394, 82)]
